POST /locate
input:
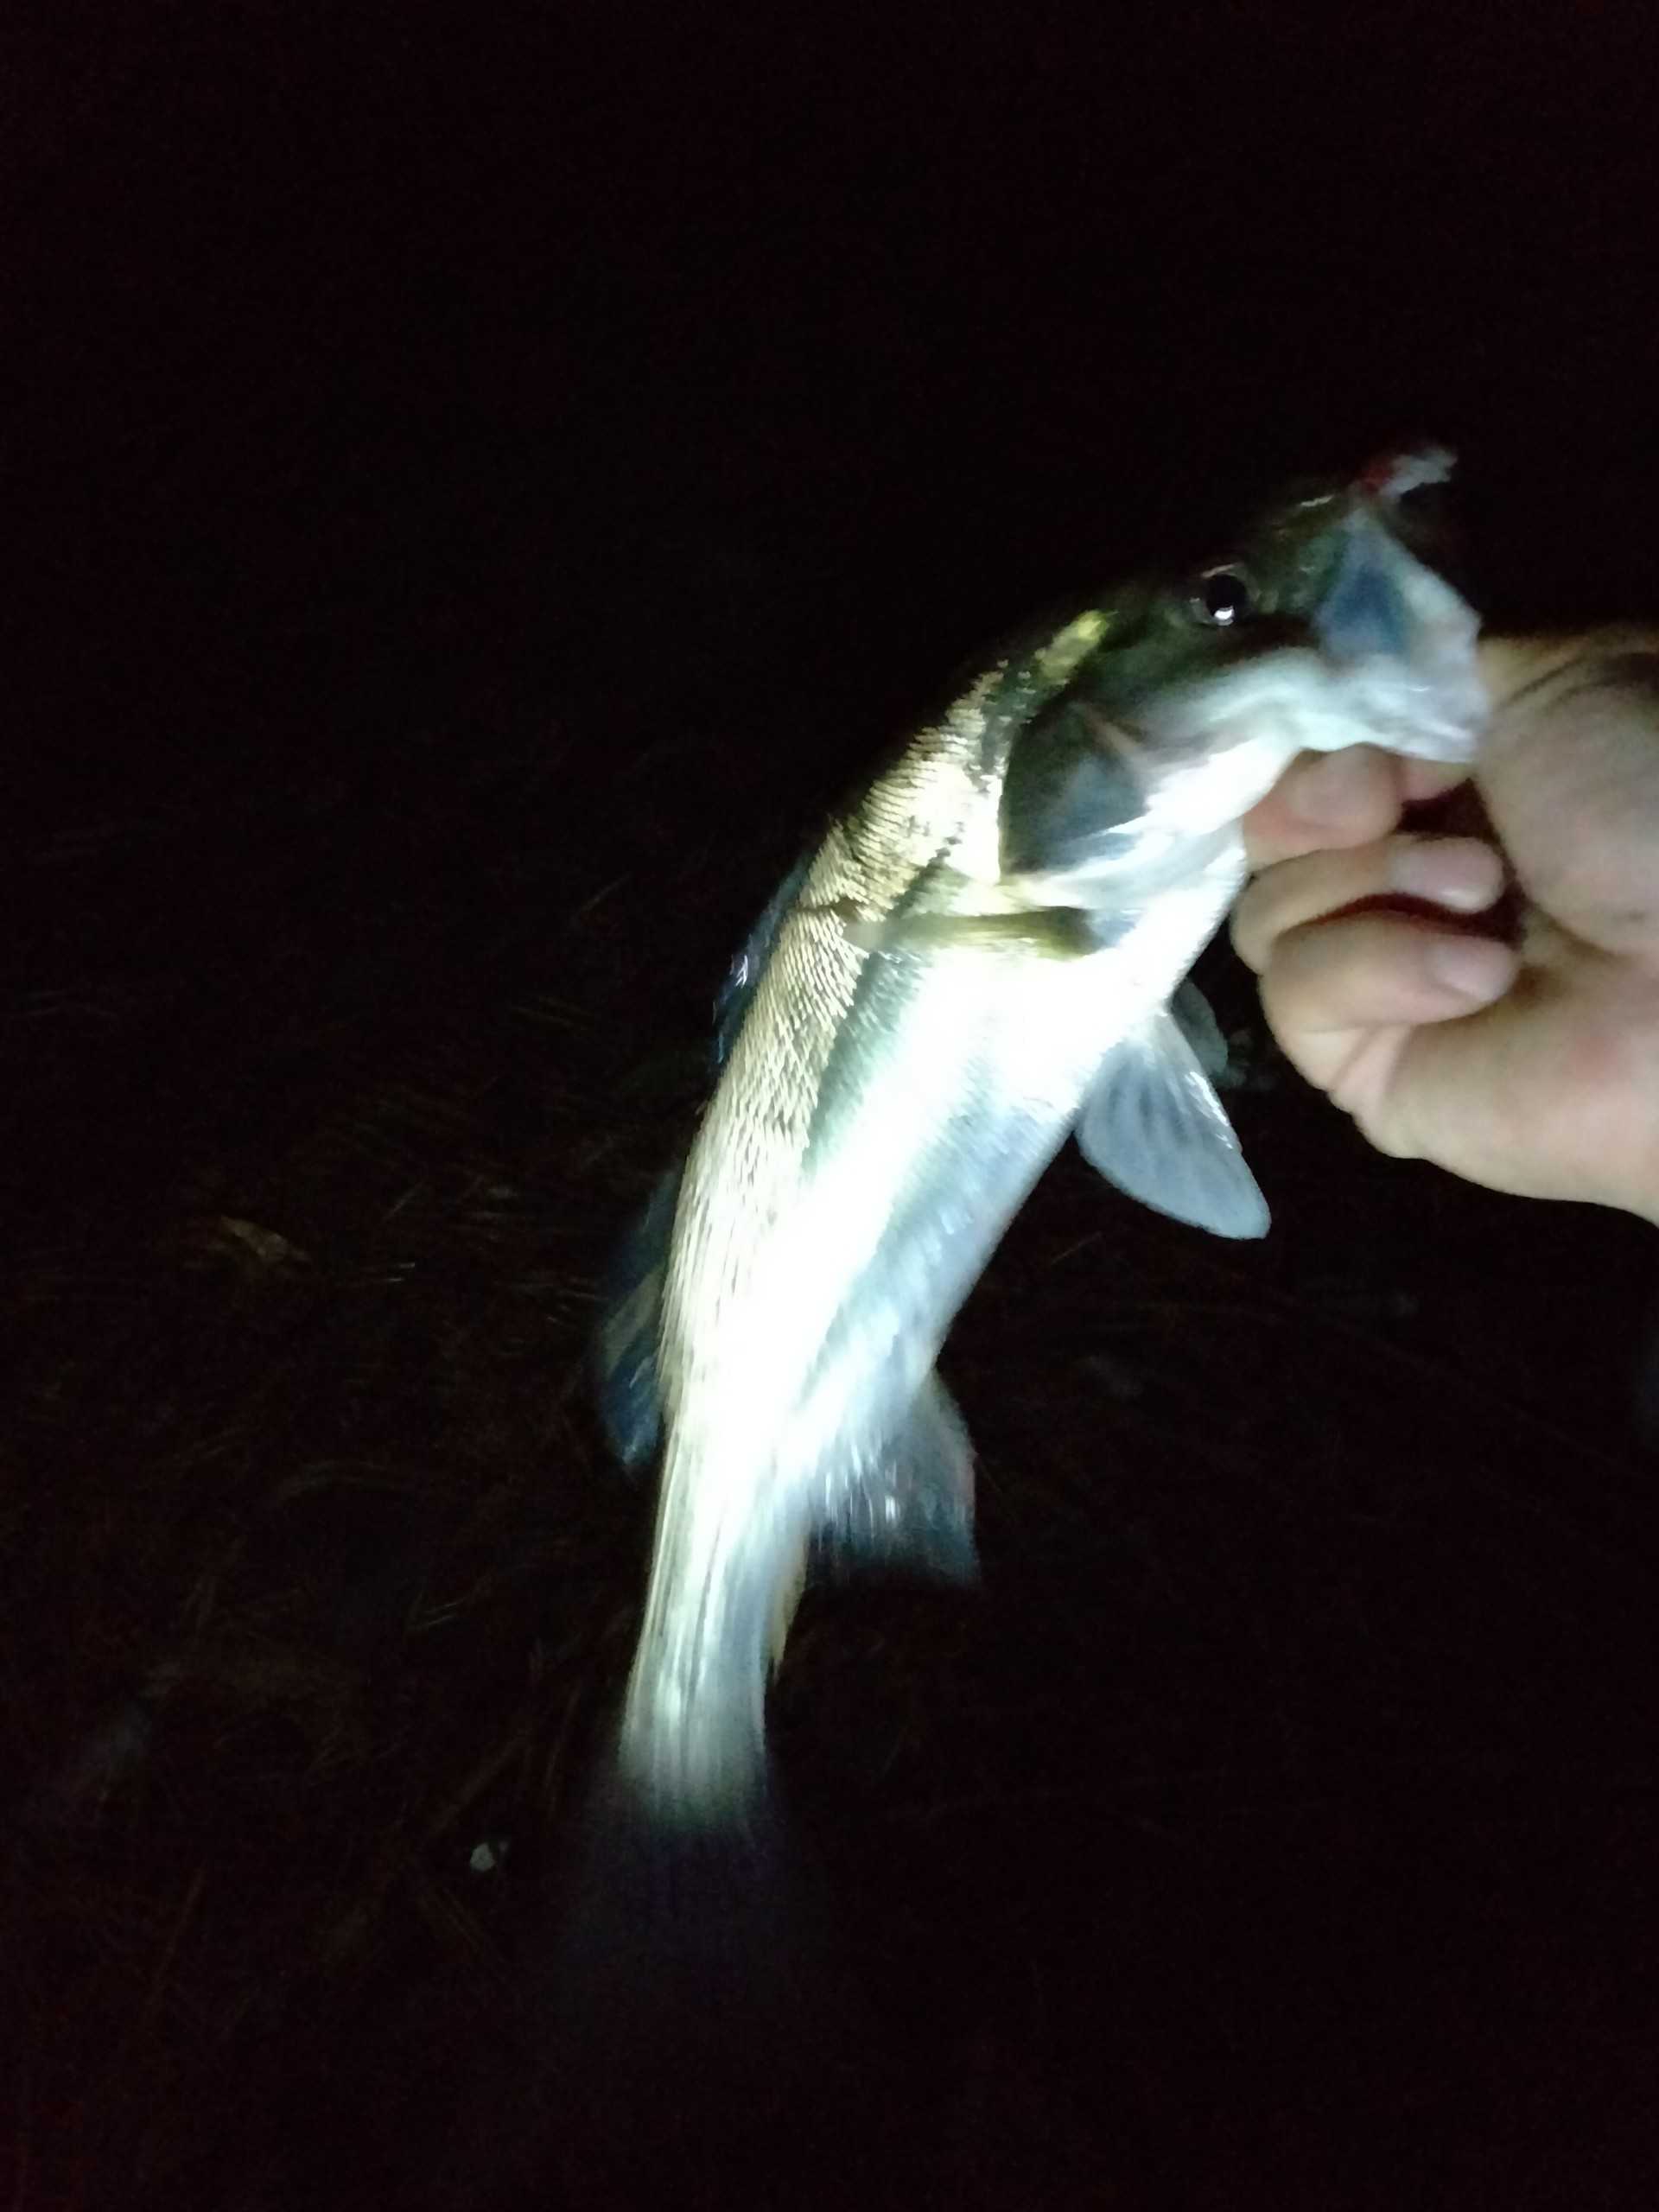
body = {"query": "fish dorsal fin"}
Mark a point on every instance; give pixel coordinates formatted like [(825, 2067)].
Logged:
[(1153, 1124), (732, 999), (910, 1504), (626, 1381)]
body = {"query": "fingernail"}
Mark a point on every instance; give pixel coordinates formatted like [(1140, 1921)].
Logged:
[(1326, 791), (1475, 967), (1456, 872)]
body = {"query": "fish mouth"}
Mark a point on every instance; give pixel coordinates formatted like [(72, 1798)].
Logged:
[(1401, 469), (1397, 641), (1366, 614)]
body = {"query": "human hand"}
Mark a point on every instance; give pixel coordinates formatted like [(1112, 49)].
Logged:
[(1525, 1059)]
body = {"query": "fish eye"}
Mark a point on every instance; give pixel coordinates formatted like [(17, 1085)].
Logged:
[(1222, 596)]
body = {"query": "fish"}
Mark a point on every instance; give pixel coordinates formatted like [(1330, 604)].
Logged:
[(986, 951)]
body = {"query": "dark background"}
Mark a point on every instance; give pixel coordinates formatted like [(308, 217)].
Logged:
[(475, 486)]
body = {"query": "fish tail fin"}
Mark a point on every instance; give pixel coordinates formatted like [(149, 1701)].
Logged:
[(704, 2026)]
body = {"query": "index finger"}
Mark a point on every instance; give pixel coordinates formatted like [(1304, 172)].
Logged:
[(1327, 801)]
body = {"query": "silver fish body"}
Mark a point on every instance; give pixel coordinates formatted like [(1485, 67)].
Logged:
[(979, 958)]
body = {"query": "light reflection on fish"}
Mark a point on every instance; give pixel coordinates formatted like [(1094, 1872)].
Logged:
[(985, 952)]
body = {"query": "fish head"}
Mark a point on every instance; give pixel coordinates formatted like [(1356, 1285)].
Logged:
[(1175, 708)]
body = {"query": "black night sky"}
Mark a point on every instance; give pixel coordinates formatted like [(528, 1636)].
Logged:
[(363, 359), (476, 485)]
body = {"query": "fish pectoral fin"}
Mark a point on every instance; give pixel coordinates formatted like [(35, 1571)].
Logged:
[(1051, 932), (912, 1504), (1153, 1124)]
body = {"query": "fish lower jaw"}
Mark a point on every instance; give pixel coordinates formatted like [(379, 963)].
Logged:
[(1432, 711)]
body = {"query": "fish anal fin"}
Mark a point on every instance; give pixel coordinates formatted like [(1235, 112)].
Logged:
[(910, 1505)]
